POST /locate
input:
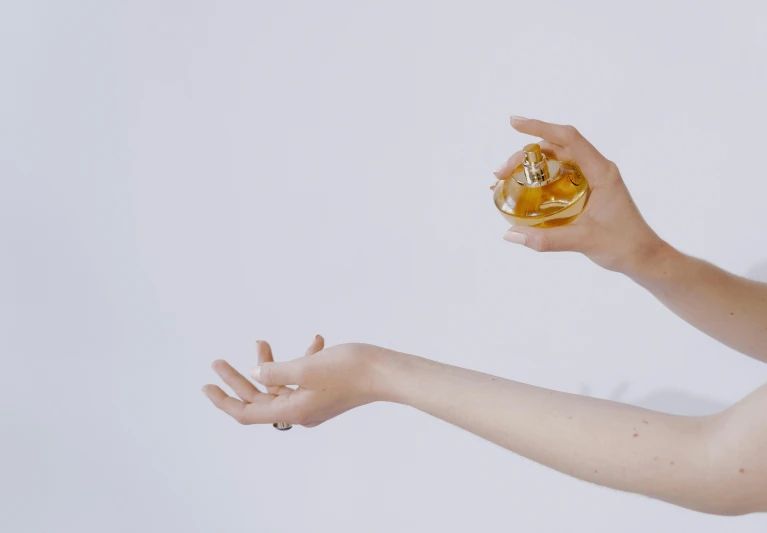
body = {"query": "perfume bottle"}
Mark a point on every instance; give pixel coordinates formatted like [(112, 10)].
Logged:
[(541, 192)]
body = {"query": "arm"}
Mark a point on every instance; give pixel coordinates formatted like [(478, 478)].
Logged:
[(711, 464), (714, 464), (731, 309), (613, 234)]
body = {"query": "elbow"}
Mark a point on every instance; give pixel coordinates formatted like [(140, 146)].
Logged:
[(718, 503), (735, 483), (725, 508), (721, 497)]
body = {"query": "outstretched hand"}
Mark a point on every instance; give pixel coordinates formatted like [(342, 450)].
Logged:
[(610, 231), (329, 382)]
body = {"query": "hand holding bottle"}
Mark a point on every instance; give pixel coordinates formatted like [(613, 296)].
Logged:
[(610, 231)]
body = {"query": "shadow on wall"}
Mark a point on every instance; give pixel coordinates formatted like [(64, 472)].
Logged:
[(670, 401), (758, 272)]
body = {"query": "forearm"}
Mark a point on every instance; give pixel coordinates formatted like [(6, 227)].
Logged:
[(607, 443), (729, 308)]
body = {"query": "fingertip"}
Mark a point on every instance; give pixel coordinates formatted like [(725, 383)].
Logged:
[(502, 169), (516, 120), (515, 237), (218, 364), (211, 391), (507, 168), (264, 352), (255, 373)]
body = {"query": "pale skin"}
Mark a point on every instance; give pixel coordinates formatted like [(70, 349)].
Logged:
[(715, 464)]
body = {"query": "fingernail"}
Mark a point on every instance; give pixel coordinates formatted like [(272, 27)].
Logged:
[(518, 119), (494, 185), (204, 391), (255, 373), (516, 238), (500, 168)]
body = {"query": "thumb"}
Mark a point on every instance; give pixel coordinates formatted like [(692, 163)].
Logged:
[(276, 374), (558, 239)]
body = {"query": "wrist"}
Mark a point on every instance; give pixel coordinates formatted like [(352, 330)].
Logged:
[(391, 373), (653, 263)]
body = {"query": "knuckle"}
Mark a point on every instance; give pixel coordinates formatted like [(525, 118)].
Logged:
[(571, 132), (353, 349)]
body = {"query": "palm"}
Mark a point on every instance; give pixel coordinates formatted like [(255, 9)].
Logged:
[(256, 407), (324, 393)]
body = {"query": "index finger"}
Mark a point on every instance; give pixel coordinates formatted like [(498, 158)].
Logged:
[(581, 150), (239, 383), (557, 133)]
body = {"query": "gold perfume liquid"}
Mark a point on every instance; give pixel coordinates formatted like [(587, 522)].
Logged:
[(541, 192)]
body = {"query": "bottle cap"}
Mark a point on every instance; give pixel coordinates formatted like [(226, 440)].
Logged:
[(536, 168), (533, 154)]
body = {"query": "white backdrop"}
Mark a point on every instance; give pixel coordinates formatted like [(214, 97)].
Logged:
[(181, 178)]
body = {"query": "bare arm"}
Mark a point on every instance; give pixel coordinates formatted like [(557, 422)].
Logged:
[(613, 234), (715, 464), (729, 308)]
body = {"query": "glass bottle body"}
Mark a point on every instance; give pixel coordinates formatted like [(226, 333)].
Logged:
[(555, 202)]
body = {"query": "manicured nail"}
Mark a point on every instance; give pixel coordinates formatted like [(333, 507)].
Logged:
[(518, 119), (205, 392), (500, 168), (255, 373), (516, 238)]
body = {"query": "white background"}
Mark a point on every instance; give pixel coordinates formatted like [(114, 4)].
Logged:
[(181, 178)]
